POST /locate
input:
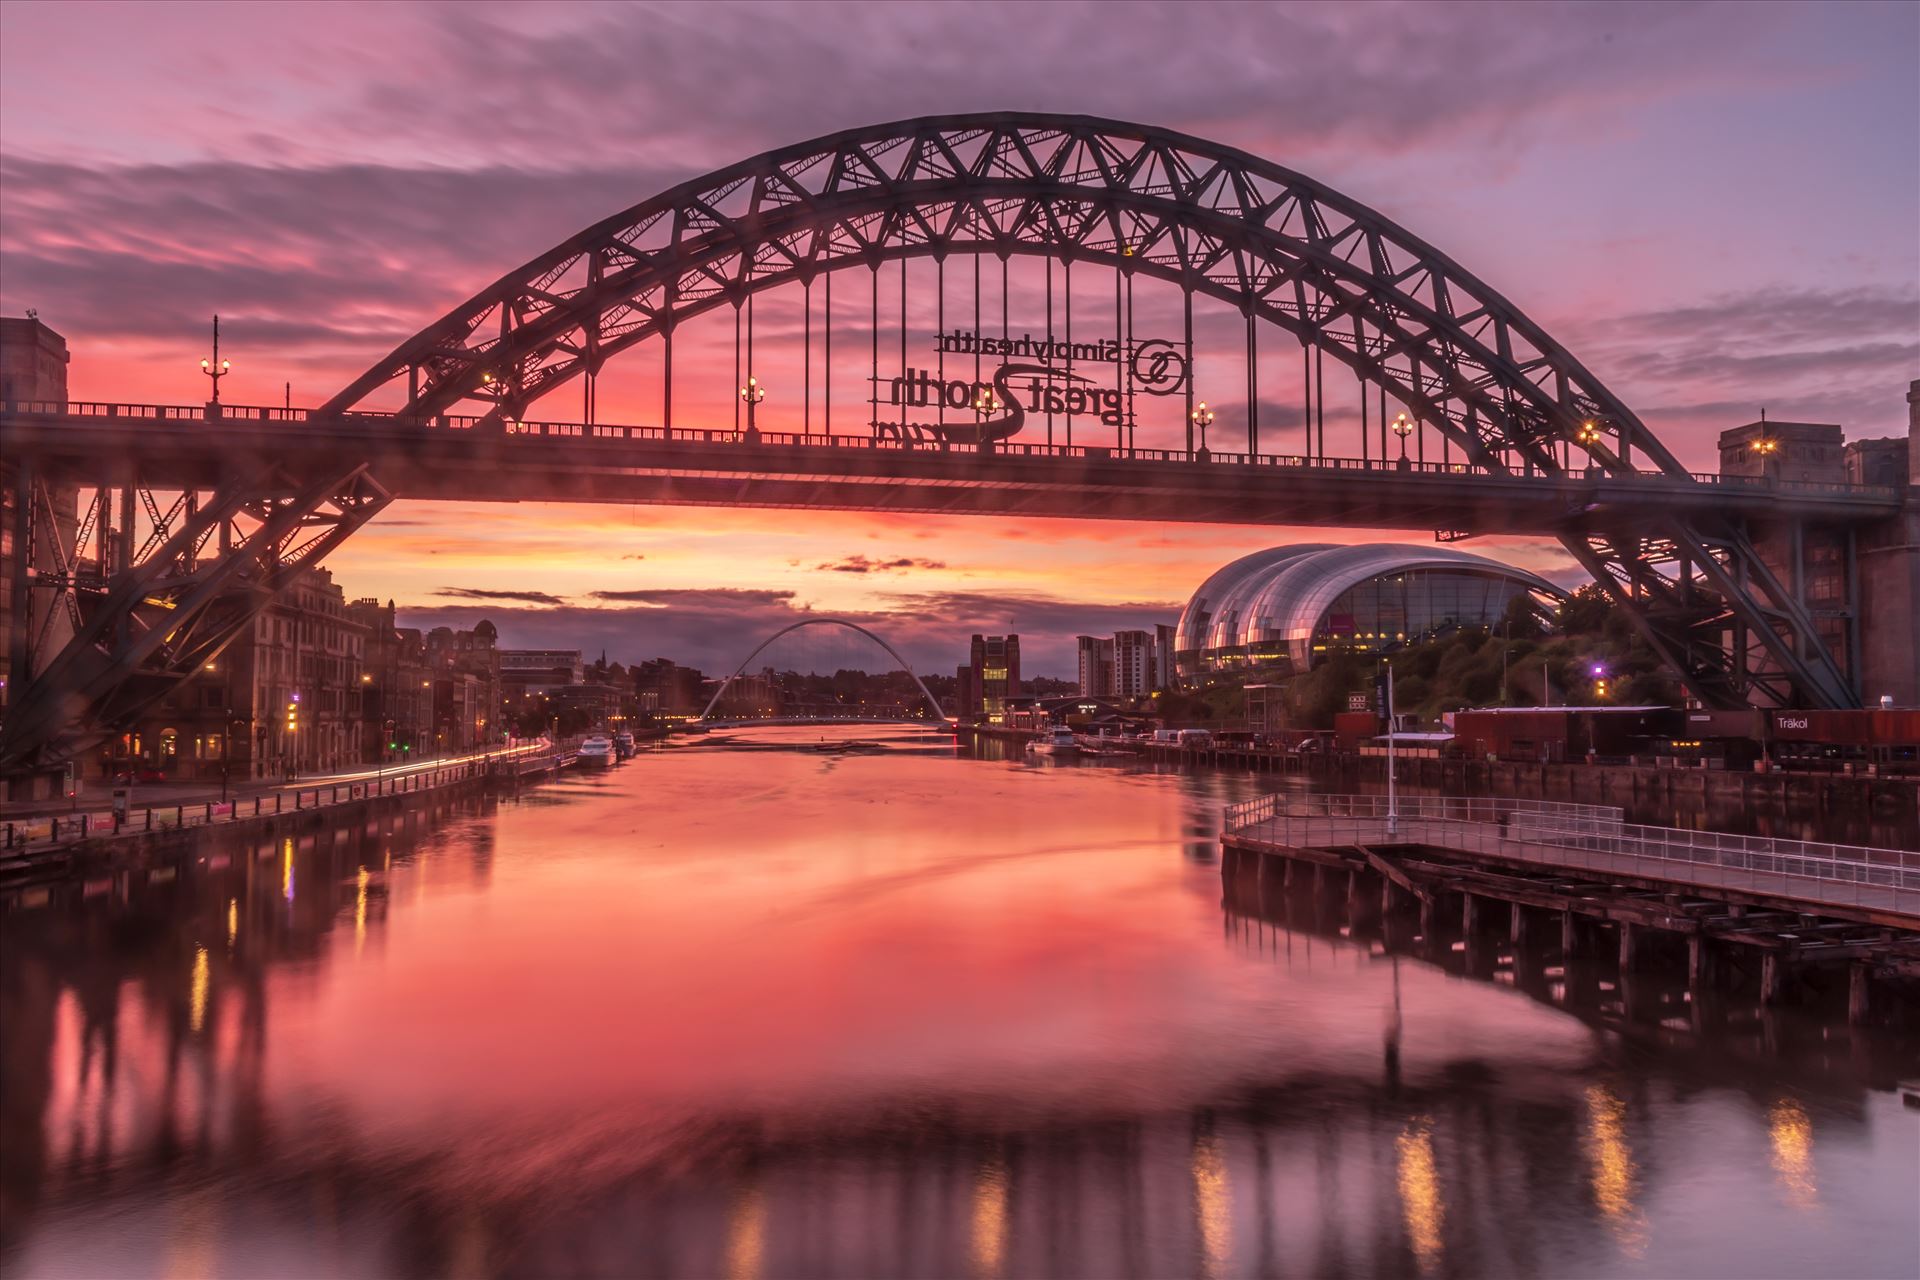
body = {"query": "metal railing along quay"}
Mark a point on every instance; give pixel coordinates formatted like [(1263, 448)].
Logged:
[(33, 834), (1591, 838)]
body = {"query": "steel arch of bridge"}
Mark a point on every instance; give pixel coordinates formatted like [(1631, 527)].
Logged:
[(1210, 219), (760, 648)]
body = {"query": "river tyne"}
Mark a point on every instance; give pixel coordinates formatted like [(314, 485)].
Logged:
[(743, 1008)]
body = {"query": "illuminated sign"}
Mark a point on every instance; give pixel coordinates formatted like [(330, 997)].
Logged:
[(1034, 379)]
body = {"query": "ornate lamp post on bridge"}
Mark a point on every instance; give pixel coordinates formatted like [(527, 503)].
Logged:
[(1202, 418), (986, 404), (216, 368), (752, 394), (1403, 427), (1766, 447)]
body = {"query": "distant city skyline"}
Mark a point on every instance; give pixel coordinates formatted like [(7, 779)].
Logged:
[(1639, 178)]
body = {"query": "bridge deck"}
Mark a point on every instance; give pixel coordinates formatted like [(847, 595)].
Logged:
[(1878, 884), (455, 458)]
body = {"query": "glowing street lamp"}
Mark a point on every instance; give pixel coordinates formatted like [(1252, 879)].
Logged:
[(986, 404), (1403, 427), (1202, 418), (216, 368), (1766, 447), (751, 395)]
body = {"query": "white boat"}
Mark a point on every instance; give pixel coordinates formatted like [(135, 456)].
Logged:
[(1059, 743), (622, 745), (595, 753)]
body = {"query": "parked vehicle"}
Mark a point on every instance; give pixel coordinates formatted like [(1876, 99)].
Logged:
[(141, 773)]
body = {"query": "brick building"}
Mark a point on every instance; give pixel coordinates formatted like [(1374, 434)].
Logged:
[(285, 697)]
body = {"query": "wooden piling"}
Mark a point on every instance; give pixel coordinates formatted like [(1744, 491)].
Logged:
[(1858, 978)]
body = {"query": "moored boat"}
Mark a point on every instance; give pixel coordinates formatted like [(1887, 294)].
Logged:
[(1058, 743), (595, 753)]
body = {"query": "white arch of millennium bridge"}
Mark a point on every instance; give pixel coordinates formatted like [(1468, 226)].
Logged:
[(893, 653)]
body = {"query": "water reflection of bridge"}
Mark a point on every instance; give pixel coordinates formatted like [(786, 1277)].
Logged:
[(138, 1009)]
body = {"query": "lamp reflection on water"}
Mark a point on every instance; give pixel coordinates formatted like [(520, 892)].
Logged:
[(746, 1235), (360, 912), (1420, 1191), (1791, 1130), (989, 1218), (197, 1006), (286, 869), (1614, 1172), (1212, 1202)]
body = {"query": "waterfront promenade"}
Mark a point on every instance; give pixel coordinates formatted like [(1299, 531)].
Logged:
[(51, 843)]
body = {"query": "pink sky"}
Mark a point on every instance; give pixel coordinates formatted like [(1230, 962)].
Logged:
[(1713, 206)]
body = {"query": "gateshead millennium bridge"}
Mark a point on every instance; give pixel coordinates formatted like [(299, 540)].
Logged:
[(147, 537)]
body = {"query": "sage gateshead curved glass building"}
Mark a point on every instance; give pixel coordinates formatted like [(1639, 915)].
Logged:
[(1286, 608)]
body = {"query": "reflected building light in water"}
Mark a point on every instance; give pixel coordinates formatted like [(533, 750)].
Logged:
[(1614, 1172), (197, 1001), (1212, 1202), (193, 1232), (747, 1235), (286, 870), (989, 1218), (1792, 1132), (233, 921), (360, 912), (1420, 1192)]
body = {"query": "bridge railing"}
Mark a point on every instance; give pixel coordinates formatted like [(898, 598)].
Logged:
[(1593, 837), (204, 415)]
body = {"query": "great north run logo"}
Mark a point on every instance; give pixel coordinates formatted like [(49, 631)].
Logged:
[(1036, 377)]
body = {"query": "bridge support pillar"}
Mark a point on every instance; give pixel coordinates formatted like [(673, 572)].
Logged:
[(1699, 966), (1469, 916), (1859, 976), (1517, 926), (1770, 978), (1629, 946), (1566, 937)]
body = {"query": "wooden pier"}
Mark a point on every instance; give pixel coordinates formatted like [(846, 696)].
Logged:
[(1727, 907)]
